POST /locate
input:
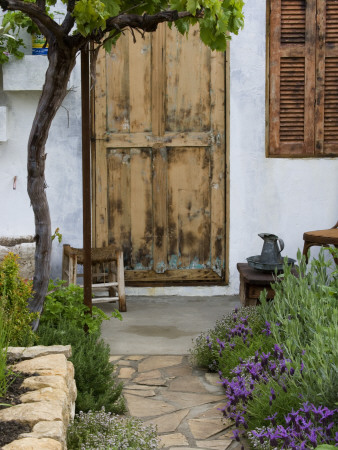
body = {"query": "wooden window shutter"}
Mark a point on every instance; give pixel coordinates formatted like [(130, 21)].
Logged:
[(292, 58), (327, 79)]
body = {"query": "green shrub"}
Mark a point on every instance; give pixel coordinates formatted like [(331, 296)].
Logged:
[(3, 355), (96, 430), (206, 350), (14, 295), (304, 319), (66, 303), (95, 381)]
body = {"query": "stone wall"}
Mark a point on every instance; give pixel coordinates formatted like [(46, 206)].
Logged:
[(24, 247), (49, 404)]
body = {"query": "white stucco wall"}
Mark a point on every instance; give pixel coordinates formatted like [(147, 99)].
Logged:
[(281, 196), (63, 165)]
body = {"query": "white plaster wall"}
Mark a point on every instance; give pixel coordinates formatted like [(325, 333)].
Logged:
[(63, 168), (281, 196)]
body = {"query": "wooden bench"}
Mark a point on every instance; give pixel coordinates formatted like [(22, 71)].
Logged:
[(253, 282)]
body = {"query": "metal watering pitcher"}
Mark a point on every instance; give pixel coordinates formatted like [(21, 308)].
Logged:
[(271, 252)]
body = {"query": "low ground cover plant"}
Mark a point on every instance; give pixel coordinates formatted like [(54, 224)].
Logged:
[(95, 430), (280, 376)]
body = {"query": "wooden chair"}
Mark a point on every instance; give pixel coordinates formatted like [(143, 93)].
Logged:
[(320, 238), (107, 272)]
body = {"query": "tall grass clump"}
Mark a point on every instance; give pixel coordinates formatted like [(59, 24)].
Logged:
[(15, 293), (304, 320)]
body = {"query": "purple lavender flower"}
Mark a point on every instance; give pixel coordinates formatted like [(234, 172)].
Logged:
[(273, 394), (267, 330), (272, 418), (236, 435)]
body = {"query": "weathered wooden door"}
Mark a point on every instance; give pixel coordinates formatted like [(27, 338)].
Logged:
[(159, 157)]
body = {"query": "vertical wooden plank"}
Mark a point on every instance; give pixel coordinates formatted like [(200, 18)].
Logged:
[(320, 78), (217, 180), (119, 201), (189, 208), (159, 175), (65, 264), (188, 101), (100, 230), (310, 77), (158, 80), (274, 57), (120, 280), (139, 84), (141, 208), (118, 100), (72, 269), (330, 75), (227, 164), (160, 201)]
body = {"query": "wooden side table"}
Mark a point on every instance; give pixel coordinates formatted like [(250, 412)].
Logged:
[(253, 282)]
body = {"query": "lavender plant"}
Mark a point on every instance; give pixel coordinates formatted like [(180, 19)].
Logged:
[(240, 329), (259, 381), (305, 429), (304, 319), (95, 430)]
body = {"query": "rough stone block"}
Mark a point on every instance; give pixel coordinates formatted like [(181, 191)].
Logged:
[(26, 252), (44, 365), (49, 394), (34, 444), (42, 381), (32, 413), (38, 350), (45, 429)]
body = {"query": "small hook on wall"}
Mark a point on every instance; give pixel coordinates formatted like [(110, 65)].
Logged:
[(14, 182)]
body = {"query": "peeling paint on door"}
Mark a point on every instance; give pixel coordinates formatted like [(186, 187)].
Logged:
[(163, 150)]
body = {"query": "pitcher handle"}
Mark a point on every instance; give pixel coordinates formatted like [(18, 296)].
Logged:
[(281, 244)]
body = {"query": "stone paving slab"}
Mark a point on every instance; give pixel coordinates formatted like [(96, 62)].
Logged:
[(184, 402)]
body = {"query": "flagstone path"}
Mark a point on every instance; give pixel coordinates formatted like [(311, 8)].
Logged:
[(181, 400)]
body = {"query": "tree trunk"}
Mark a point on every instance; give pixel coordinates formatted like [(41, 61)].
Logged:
[(61, 63)]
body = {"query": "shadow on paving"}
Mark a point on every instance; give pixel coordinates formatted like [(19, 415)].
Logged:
[(163, 325)]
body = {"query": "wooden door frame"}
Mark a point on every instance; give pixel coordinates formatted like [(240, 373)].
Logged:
[(226, 179)]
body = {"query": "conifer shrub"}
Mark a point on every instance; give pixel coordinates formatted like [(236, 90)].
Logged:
[(94, 373)]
